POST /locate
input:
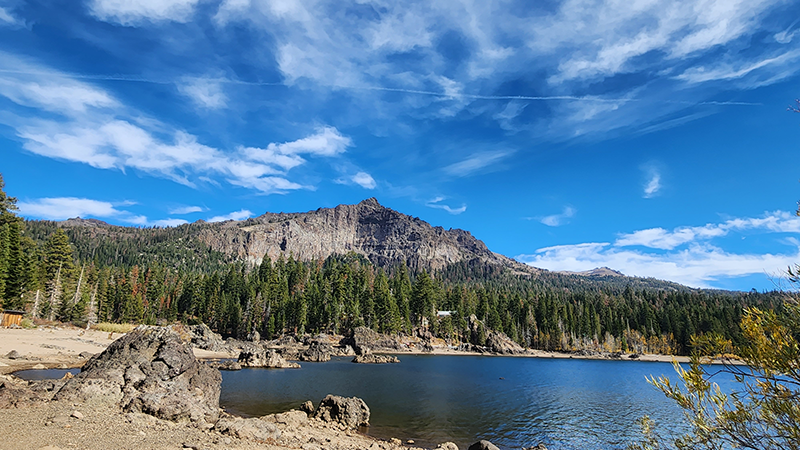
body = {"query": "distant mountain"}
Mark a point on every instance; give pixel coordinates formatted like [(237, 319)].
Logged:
[(384, 236), (596, 272)]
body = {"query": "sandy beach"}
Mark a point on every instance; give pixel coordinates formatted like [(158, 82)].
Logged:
[(59, 347)]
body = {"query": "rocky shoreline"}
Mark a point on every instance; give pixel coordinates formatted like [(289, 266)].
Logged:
[(148, 390)]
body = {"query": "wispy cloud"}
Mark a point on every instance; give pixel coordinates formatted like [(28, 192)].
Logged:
[(698, 266), (684, 255), (186, 209), (364, 180), (7, 18), (205, 93), (660, 238), (557, 220), (236, 215), (361, 178), (135, 12), (61, 208), (476, 162), (436, 203), (168, 222), (653, 184), (729, 72), (96, 129)]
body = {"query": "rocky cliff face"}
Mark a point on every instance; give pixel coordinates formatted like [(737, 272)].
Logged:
[(382, 235)]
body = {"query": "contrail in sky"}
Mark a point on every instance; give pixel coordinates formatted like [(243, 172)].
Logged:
[(137, 79)]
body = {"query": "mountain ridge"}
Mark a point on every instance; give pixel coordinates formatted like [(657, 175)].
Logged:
[(384, 236)]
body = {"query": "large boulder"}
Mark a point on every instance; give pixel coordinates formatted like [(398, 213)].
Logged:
[(253, 428), (483, 445), (351, 412), (366, 337), (498, 342), (317, 352), (149, 370), (257, 356)]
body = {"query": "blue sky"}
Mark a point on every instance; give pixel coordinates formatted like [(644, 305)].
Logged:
[(648, 136)]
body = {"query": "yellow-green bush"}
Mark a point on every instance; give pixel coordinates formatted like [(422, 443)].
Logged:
[(114, 327)]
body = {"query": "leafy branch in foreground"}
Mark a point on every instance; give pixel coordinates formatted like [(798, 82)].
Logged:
[(763, 413)]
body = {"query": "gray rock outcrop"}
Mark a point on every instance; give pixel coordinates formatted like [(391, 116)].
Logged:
[(317, 352), (201, 336), (372, 358), (257, 356), (351, 412), (501, 344), (16, 392), (254, 428), (226, 365), (149, 370), (365, 338)]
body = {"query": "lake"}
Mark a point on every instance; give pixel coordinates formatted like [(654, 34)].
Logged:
[(513, 402)]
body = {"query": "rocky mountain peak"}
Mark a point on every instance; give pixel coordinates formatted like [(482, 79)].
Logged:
[(382, 235), (371, 202)]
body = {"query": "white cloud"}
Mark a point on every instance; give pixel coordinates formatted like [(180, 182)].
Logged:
[(435, 60), (135, 12), (698, 266), (475, 163), (186, 210), (236, 215), (364, 180), (95, 129), (775, 222), (32, 86), (556, 220), (785, 36), (608, 36), (702, 74), (205, 93), (653, 185), (169, 222), (683, 255), (436, 203), (61, 208), (6, 18)]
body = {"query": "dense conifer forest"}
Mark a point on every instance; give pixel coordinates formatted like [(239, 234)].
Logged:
[(159, 276)]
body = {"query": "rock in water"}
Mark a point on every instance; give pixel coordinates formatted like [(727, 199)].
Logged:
[(317, 352), (149, 370), (483, 445), (372, 358), (257, 356), (226, 365), (365, 338), (351, 412)]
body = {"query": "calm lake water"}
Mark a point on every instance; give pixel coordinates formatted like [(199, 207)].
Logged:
[(513, 402)]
